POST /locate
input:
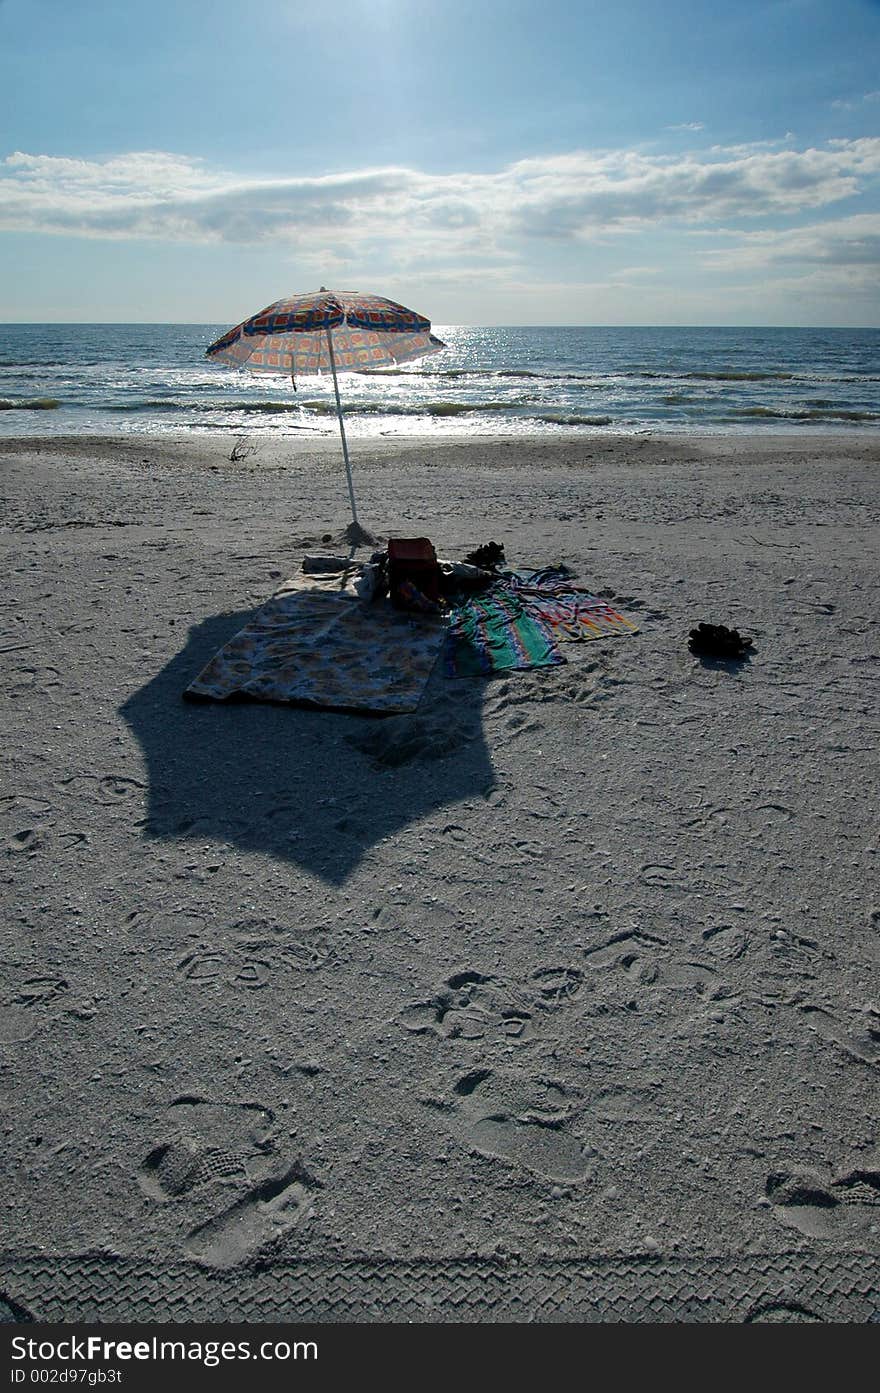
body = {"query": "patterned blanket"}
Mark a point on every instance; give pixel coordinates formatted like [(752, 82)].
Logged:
[(317, 642)]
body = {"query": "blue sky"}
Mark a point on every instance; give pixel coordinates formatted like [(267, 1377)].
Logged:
[(495, 161)]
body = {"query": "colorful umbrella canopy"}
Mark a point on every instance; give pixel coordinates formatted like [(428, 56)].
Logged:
[(325, 331)]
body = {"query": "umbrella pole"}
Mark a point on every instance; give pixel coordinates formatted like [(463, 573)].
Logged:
[(354, 515)]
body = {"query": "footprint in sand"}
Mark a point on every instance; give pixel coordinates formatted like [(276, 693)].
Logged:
[(70, 840), (661, 875), (523, 1121), (110, 790), (577, 683), (24, 681), (470, 1006), (725, 941), (24, 803), (521, 724), (777, 814), (27, 841), (781, 1313), (40, 990), (633, 962), (632, 1104), (168, 926), (627, 962), (207, 965), (202, 966), (553, 986), (252, 974), (546, 805), (248, 961), (204, 1141), (261, 1217), (862, 1044), (475, 1006), (789, 956), (504, 692), (843, 1207), (578, 691), (407, 739), (509, 727), (113, 789), (21, 1012)]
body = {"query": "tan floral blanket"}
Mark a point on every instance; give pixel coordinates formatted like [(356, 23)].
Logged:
[(317, 642)]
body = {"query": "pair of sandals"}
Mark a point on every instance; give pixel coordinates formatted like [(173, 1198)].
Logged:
[(717, 641)]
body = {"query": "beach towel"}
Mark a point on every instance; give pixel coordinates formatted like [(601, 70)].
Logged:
[(519, 623), (317, 642), (493, 632), (568, 613)]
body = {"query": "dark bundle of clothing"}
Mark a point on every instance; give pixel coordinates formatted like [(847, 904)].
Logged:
[(717, 641), (486, 557)]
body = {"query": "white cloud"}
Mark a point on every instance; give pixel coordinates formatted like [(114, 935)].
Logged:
[(850, 104), (836, 257), (423, 217), (853, 241), (630, 189)]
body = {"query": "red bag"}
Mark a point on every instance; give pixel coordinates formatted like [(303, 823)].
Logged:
[(412, 559)]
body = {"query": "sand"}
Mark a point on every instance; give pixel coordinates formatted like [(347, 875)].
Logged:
[(569, 967)]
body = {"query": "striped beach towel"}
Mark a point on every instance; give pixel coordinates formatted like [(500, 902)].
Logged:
[(520, 622), (494, 632)]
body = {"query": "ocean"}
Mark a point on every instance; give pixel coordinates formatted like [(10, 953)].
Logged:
[(146, 378)]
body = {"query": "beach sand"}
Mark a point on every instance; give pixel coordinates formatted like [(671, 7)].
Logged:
[(571, 972)]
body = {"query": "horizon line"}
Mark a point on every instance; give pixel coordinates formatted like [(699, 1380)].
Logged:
[(182, 323)]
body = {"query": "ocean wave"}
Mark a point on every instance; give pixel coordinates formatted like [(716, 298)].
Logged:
[(328, 408), (418, 408), (311, 406), (438, 409), (126, 406), (458, 408), (32, 363), (418, 372), (561, 418), (29, 404), (252, 407), (540, 376), (812, 414), (484, 373), (731, 375), (699, 375)]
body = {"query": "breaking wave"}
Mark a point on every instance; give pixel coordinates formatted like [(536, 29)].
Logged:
[(561, 418), (809, 414), (29, 404)]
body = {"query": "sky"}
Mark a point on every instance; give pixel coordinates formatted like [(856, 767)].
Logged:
[(482, 161)]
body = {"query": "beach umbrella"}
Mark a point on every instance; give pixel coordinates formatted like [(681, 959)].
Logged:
[(325, 331)]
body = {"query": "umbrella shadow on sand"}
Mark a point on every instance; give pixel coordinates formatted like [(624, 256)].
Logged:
[(312, 787)]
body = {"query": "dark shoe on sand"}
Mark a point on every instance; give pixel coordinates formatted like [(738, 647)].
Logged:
[(486, 557), (717, 641)]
